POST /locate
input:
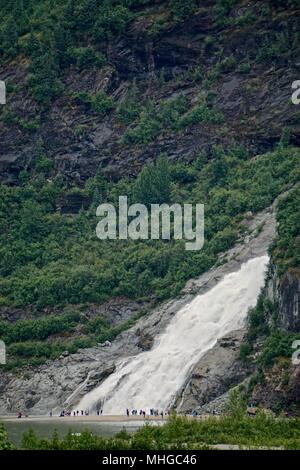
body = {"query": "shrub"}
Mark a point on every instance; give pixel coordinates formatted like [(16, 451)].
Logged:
[(183, 8), (129, 109), (201, 113), (86, 58), (154, 120), (102, 103), (4, 443)]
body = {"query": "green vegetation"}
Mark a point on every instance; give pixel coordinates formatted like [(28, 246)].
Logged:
[(31, 342), (36, 329), (170, 115), (286, 249), (57, 35), (222, 12), (153, 184), (100, 103), (263, 324), (182, 433), (152, 120), (4, 443), (129, 109), (29, 125), (278, 344), (277, 47), (182, 8), (86, 58), (50, 259), (201, 113)]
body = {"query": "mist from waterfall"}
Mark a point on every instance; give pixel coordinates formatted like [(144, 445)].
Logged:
[(153, 378)]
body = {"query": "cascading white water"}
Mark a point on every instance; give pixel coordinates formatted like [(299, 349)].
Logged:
[(152, 379)]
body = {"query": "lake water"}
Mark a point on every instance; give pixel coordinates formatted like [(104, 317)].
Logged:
[(46, 428)]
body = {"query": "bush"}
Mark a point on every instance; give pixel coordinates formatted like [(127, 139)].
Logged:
[(4, 443), (86, 58), (222, 12), (278, 344), (24, 330), (201, 113), (183, 8), (129, 109), (102, 103), (154, 120)]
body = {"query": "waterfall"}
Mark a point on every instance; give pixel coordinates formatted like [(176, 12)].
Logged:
[(152, 378)]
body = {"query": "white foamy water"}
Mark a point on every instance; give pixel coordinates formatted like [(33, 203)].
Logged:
[(152, 379)]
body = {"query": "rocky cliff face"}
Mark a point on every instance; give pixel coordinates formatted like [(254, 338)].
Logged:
[(218, 370), (285, 292), (250, 81), (289, 301), (278, 388)]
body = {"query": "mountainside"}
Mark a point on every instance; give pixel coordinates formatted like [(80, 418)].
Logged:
[(117, 85), (164, 101)]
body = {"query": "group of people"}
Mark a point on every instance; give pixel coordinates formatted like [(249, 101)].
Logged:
[(75, 413), (153, 412), (134, 412)]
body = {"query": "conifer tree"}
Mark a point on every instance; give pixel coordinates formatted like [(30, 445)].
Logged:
[(9, 38), (153, 183)]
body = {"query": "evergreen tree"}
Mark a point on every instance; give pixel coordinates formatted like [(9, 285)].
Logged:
[(20, 16), (44, 82), (183, 8), (153, 183), (9, 38), (62, 43), (285, 138), (219, 165), (33, 46)]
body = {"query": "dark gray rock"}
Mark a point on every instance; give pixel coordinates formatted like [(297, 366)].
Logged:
[(145, 341), (217, 371), (289, 301), (73, 203)]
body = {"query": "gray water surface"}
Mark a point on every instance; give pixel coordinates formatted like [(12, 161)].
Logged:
[(46, 428)]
